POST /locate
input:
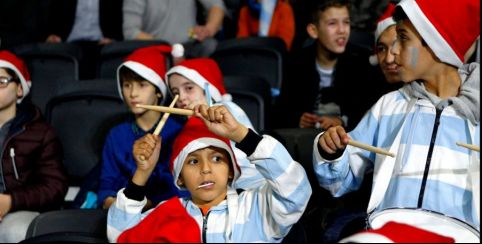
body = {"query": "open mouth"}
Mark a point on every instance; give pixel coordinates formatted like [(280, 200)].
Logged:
[(205, 184)]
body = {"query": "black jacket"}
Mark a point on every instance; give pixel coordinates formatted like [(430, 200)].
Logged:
[(62, 16), (356, 86)]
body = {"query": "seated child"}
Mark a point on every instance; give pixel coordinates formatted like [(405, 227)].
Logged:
[(204, 163), (189, 80), (140, 81)]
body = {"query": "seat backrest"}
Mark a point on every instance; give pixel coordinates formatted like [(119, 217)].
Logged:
[(256, 56), (112, 55), (253, 105), (76, 225), (82, 119), (48, 65)]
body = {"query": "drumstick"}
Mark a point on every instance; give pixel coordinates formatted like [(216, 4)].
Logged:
[(162, 123), (370, 148), (469, 146), (179, 111), (165, 116)]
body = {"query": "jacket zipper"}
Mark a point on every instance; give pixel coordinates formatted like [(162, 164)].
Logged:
[(438, 114), (205, 226), (1, 156), (12, 156)]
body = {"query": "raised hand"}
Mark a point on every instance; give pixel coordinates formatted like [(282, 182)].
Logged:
[(221, 122), (146, 152)]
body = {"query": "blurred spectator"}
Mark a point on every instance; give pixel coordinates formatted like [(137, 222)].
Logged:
[(174, 21), (22, 22), (87, 23), (272, 18), (32, 177), (330, 81)]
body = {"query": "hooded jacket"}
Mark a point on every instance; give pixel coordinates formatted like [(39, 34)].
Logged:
[(33, 150), (262, 214), (430, 171)]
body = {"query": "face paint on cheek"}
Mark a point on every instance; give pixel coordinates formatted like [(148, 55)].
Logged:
[(413, 56)]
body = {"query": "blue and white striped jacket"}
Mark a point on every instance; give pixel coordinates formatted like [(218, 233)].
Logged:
[(264, 214), (421, 138)]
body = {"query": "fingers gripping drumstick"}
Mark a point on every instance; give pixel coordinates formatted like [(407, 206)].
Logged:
[(162, 122)]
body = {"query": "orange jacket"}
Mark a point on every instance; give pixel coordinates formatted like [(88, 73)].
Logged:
[(282, 23)]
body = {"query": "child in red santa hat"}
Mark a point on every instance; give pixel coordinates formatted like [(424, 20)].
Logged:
[(140, 80), (204, 163), (200, 81), (433, 183)]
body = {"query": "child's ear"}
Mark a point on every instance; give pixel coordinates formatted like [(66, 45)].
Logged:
[(159, 95), (19, 90), (312, 30), (179, 181)]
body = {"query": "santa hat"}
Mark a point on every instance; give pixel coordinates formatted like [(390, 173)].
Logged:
[(167, 223), (11, 61), (448, 27), (194, 136), (203, 71), (383, 23), (150, 63), (393, 232)]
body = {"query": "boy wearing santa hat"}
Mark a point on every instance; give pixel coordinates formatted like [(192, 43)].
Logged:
[(204, 163), (431, 177), (200, 81), (32, 177), (139, 81)]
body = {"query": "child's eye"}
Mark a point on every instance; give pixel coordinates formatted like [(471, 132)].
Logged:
[(218, 158), (381, 49), (126, 85), (192, 161)]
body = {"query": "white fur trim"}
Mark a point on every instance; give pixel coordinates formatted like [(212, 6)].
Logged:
[(177, 50), (227, 97), (145, 72), (197, 78), (373, 60), (197, 144), (26, 84), (429, 33), (366, 237), (382, 26)]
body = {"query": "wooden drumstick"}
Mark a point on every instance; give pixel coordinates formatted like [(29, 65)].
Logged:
[(162, 122), (370, 148), (165, 116), (468, 146), (179, 111)]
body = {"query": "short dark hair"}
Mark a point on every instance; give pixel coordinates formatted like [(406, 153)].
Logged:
[(12, 74), (321, 5), (127, 74)]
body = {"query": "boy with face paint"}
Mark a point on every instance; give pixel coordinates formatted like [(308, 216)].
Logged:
[(204, 163), (438, 106)]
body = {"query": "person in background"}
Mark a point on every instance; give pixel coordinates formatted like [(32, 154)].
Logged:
[(90, 24), (203, 162), (174, 21), (432, 183), (330, 81), (273, 18), (32, 177), (140, 81)]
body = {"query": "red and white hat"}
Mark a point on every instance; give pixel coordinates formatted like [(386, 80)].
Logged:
[(202, 71), (194, 136), (383, 23), (393, 232), (11, 61), (448, 27), (150, 63)]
